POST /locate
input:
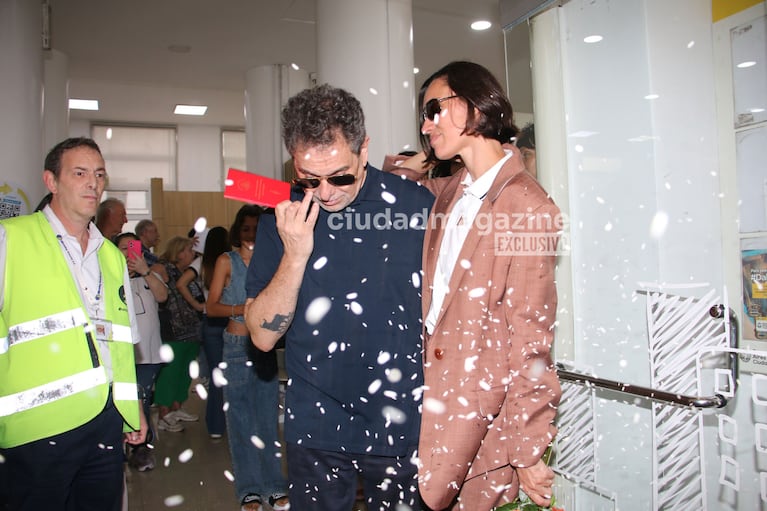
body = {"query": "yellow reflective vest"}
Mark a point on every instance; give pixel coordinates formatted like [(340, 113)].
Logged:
[(51, 376)]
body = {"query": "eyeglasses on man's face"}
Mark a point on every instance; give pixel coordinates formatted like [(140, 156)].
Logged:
[(314, 182), (433, 107)]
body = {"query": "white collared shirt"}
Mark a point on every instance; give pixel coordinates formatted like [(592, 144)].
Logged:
[(456, 229)]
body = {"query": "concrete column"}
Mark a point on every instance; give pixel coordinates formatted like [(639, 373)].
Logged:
[(21, 83), (366, 47), (55, 98), (267, 90)]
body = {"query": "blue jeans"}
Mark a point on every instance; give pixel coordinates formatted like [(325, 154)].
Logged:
[(213, 347), (252, 394), (146, 374)]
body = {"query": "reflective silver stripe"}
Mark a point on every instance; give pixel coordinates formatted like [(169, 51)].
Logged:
[(124, 391), (121, 333), (52, 391), (31, 330)]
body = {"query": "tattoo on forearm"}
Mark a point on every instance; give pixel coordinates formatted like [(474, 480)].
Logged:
[(279, 323)]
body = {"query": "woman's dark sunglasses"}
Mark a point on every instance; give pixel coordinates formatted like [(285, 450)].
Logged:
[(432, 108), (314, 182)]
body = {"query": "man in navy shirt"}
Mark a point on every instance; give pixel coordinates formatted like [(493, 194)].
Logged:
[(337, 272)]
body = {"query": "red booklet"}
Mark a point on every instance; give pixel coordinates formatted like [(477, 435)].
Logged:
[(255, 189)]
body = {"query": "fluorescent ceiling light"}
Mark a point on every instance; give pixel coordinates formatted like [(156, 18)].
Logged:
[(83, 104), (190, 109), (748, 63), (592, 39), (481, 25)]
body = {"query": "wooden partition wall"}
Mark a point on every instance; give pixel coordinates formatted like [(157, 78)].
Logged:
[(176, 212)]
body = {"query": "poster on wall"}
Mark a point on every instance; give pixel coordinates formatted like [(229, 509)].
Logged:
[(754, 266), (13, 200)]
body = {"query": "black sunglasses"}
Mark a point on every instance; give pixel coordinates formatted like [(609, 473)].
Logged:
[(432, 108), (314, 182)]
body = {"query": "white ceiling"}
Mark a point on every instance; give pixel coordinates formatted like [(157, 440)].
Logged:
[(121, 52)]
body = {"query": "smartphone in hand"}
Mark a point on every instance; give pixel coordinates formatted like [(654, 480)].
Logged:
[(134, 249)]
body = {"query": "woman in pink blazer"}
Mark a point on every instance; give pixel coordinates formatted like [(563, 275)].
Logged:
[(489, 304)]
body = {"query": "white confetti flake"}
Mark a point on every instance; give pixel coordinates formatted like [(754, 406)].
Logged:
[(317, 310), (166, 353), (257, 442), (393, 375), (174, 500), (229, 475), (470, 363), (194, 369), (374, 386), (320, 263), (394, 414), (201, 391), (383, 357), (434, 405), (465, 264), (388, 197), (659, 225), (477, 292), (332, 347), (415, 278), (356, 308), (185, 455), (200, 224), (218, 377)]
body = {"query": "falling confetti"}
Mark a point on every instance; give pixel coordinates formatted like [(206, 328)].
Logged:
[(257, 442), (659, 224), (356, 308), (194, 369), (320, 263), (317, 310), (388, 197), (174, 500), (185, 455), (166, 353)]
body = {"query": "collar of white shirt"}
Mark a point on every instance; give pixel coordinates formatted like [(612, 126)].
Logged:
[(481, 186)]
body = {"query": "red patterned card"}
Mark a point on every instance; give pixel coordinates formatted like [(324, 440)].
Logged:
[(255, 189)]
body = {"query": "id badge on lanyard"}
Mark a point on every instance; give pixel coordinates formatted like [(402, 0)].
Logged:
[(103, 329)]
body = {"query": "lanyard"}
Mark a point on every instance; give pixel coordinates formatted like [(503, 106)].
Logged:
[(79, 277)]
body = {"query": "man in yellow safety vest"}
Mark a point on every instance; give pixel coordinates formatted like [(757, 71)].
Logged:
[(67, 375)]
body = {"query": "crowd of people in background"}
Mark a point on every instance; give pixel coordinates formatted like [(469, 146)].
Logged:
[(377, 324)]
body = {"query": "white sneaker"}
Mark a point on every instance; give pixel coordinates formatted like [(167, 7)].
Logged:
[(169, 424), (182, 415)]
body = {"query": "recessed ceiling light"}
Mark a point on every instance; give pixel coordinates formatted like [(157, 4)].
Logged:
[(481, 25), (190, 109), (295, 66), (748, 63), (756, 110), (652, 96), (416, 70), (83, 104), (592, 39)]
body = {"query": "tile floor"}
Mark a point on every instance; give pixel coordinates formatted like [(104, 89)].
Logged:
[(193, 472)]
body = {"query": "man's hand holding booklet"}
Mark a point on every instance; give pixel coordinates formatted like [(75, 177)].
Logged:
[(254, 189)]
